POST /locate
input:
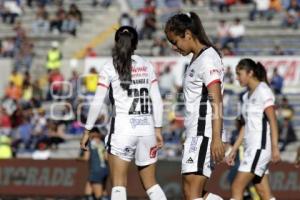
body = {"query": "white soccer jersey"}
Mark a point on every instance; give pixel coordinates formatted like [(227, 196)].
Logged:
[(257, 128), (133, 107), (205, 70)]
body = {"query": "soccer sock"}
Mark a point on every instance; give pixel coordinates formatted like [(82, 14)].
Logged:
[(212, 196), (118, 193), (198, 199), (156, 193), (273, 198)]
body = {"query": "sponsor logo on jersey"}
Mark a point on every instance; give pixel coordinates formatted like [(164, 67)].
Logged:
[(141, 121), (190, 160), (193, 147), (153, 151)]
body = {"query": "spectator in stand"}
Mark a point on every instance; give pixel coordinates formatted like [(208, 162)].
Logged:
[(222, 5), (227, 51), (166, 82), (236, 33), (11, 9), (261, 7), (149, 27), (41, 23), (54, 57), (5, 122), (57, 21), (287, 131), (5, 147), (17, 78), (41, 152), (275, 7), (228, 76), (55, 84), (74, 11), (222, 32), (13, 92), (160, 47), (90, 82), (90, 52), (125, 20), (70, 24), (23, 59), (291, 18), (276, 82), (8, 46), (139, 20), (277, 51)]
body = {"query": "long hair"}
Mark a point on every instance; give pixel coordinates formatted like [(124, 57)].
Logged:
[(179, 23), (258, 69), (126, 40)]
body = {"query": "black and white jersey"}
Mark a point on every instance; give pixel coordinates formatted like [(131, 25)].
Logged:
[(205, 70), (134, 114), (257, 128)]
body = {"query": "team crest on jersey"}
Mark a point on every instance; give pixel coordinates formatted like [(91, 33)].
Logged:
[(192, 72), (253, 101)]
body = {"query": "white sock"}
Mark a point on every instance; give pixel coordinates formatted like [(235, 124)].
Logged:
[(198, 199), (212, 196), (118, 193), (273, 198), (156, 193)]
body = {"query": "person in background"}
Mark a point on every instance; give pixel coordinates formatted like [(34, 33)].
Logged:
[(259, 133), (98, 166)]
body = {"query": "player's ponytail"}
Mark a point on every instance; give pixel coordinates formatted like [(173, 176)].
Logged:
[(126, 39), (258, 69), (261, 73)]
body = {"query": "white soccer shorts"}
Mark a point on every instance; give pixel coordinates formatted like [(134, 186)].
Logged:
[(127, 147), (196, 156), (255, 161)]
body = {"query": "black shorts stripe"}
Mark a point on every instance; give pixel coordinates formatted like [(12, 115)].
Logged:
[(112, 130), (112, 123), (202, 111), (264, 131), (255, 161), (202, 154)]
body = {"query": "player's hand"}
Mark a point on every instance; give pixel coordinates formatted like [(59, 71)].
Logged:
[(217, 150), (84, 140), (230, 159), (275, 155), (159, 138)]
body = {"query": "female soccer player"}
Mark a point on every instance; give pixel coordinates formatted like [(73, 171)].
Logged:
[(259, 134), (202, 88), (135, 132)]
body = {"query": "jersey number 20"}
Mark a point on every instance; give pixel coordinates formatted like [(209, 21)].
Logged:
[(139, 96)]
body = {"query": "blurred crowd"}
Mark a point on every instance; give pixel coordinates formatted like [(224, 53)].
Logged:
[(149, 17)]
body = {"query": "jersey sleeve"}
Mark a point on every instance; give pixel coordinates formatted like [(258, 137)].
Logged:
[(95, 107), (211, 73), (152, 75), (267, 97), (104, 77), (157, 103)]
